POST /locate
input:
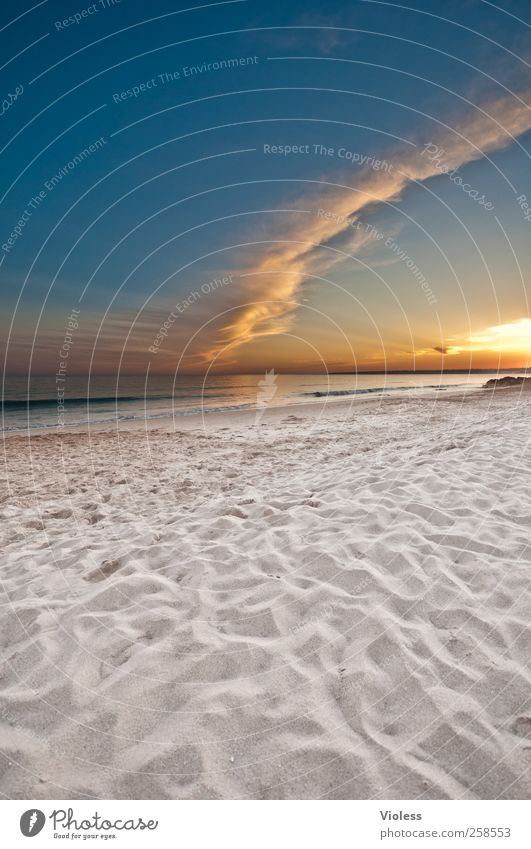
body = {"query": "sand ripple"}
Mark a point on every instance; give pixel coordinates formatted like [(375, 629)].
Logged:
[(332, 609)]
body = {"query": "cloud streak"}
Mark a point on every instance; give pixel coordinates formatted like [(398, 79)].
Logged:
[(271, 272), (273, 284)]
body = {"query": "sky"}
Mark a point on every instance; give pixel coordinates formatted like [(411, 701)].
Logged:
[(239, 186)]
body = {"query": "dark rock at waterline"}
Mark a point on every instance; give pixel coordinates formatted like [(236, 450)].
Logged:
[(504, 382)]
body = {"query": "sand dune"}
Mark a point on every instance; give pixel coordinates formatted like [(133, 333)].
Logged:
[(334, 604)]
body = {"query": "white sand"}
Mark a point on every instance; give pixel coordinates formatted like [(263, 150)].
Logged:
[(334, 605)]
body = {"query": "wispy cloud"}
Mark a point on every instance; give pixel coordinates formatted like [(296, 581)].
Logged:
[(265, 293), (324, 33), (273, 283)]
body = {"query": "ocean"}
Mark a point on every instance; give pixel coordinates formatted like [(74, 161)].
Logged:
[(80, 401)]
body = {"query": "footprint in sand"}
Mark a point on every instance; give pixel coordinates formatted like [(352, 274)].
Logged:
[(107, 568), (60, 514), (522, 726)]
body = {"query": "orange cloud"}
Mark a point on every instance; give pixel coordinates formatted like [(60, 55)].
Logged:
[(303, 248)]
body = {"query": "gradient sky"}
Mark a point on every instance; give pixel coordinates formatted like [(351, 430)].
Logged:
[(381, 260)]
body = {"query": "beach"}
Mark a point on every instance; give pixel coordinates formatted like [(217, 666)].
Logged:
[(328, 600)]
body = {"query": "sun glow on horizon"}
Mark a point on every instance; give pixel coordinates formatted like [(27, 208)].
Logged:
[(510, 338)]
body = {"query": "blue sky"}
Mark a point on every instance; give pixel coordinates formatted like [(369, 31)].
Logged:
[(298, 153)]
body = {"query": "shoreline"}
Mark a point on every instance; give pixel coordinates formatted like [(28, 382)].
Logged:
[(305, 410)]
